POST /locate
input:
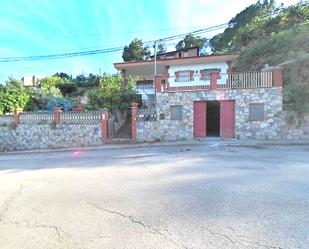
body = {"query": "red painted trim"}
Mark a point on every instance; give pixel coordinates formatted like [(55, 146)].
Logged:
[(17, 116), (57, 113), (199, 119), (227, 118), (213, 80), (278, 77), (104, 124), (158, 82)]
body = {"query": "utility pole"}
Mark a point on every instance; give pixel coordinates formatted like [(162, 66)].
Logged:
[(155, 58), (155, 68)]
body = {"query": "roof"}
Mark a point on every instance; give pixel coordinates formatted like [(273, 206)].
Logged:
[(176, 51), (181, 60)]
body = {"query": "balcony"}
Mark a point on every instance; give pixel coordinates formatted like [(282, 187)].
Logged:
[(144, 87), (216, 80)]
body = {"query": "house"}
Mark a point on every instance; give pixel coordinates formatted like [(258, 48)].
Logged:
[(200, 96), (31, 80), (189, 52)]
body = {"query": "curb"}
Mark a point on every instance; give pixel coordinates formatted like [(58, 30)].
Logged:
[(208, 143)]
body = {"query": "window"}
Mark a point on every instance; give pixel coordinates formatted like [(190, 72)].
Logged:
[(205, 73), (176, 112), (256, 112), (184, 76)]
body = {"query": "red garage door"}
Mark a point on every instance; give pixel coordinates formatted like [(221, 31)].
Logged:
[(199, 122), (227, 118)]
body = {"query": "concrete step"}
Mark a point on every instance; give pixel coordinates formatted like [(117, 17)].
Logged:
[(118, 141)]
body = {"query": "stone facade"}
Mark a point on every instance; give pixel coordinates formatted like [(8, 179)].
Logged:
[(26, 137), (272, 127)]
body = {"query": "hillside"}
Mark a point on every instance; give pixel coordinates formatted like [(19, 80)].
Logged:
[(264, 34)]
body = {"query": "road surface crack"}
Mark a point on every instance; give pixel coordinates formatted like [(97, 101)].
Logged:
[(142, 224), (228, 238), (241, 239), (58, 231)]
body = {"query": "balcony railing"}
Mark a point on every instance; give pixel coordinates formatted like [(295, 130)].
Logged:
[(221, 81), (249, 80), (144, 86)]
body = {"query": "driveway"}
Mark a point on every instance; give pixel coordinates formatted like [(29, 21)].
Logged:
[(156, 197)]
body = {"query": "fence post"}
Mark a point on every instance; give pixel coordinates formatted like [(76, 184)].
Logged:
[(57, 113), (17, 115), (213, 80), (278, 77), (134, 109), (104, 124)]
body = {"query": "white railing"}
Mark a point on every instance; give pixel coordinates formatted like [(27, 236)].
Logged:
[(225, 81), (250, 80), (144, 86), (6, 119), (89, 117), (147, 115), (36, 118)]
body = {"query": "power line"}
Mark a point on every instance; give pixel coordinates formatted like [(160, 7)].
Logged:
[(107, 34), (103, 51), (119, 48)]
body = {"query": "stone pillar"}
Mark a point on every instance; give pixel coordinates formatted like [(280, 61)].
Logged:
[(57, 115), (278, 77), (134, 110), (213, 80), (17, 115), (158, 84), (104, 124)]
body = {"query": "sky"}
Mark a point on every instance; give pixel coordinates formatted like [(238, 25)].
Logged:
[(41, 27)]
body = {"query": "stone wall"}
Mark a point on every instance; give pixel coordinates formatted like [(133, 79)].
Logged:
[(26, 137), (295, 131), (272, 127)]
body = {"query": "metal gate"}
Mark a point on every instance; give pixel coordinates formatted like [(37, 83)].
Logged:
[(227, 118), (199, 123)]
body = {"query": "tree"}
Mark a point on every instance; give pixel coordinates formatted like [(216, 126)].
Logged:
[(50, 81), (135, 51), (64, 84), (67, 88), (191, 41), (13, 95), (63, 76), (249, 25), (110, 95)]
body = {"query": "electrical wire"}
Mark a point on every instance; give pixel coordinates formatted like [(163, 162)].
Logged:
[(104, 50), (120, 48)]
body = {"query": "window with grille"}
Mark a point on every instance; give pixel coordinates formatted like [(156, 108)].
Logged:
[(184, 76), (205, 73), (176, 112), (256, 112)]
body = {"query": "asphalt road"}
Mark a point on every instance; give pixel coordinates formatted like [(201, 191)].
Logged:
[(168, 197)]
